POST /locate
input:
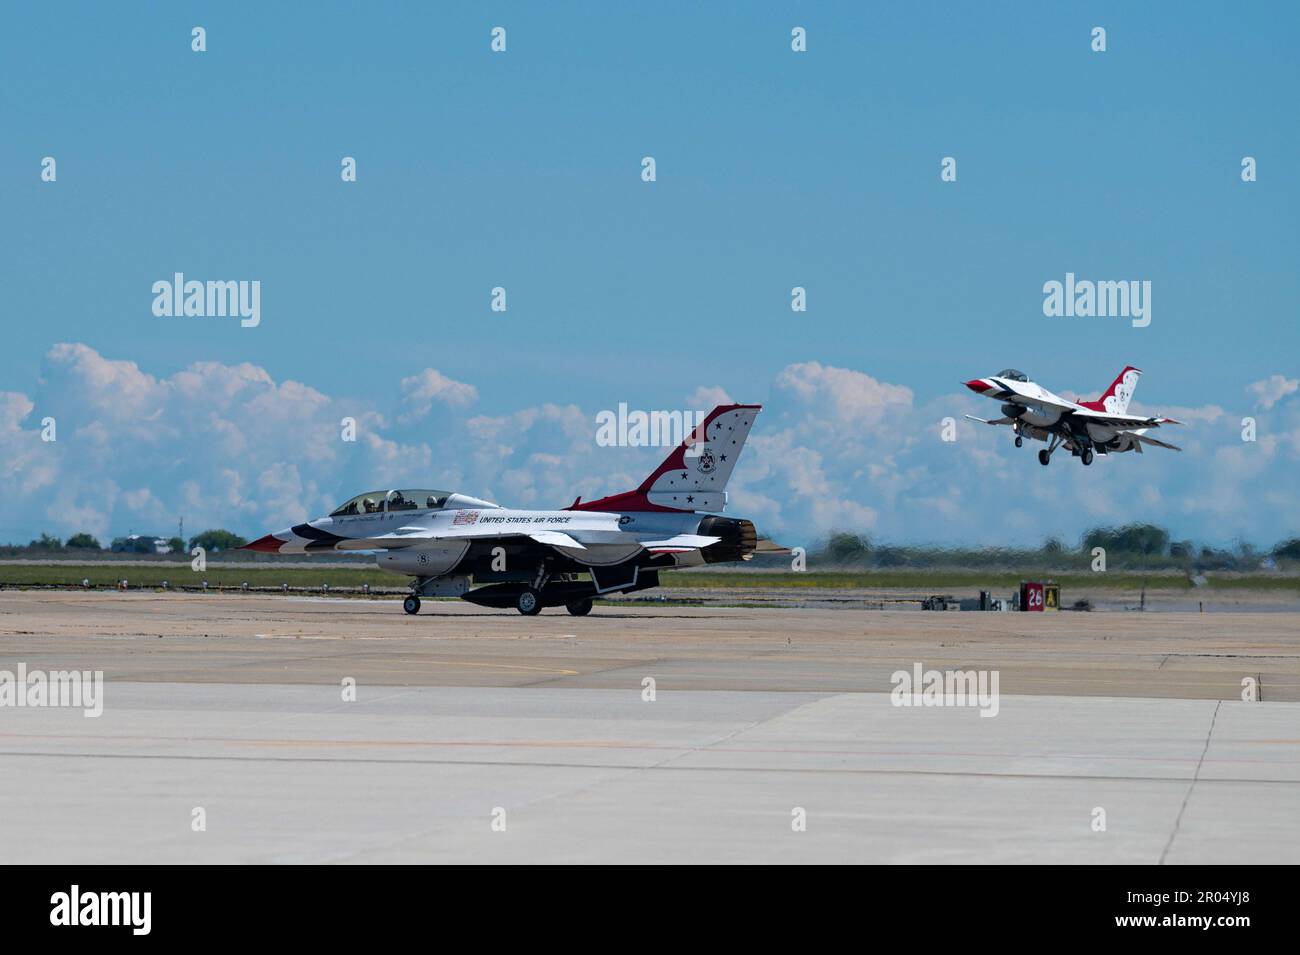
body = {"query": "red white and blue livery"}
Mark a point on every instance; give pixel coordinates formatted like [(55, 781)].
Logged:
[(450, 542), (1084, 428)]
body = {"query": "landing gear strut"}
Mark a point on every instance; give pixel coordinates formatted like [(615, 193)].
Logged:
[(1045, 455)]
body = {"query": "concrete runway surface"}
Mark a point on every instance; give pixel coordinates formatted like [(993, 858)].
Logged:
[(233, 703)]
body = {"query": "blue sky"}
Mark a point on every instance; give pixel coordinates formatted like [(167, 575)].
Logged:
[(522, 170)]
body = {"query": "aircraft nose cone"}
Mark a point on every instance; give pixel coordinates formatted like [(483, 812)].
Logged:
[(977, 385), (270, 544)]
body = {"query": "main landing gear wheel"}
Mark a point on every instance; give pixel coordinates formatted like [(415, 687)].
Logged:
[(1020, 442), (411, 604), (579, 608), (529, 603), (1044, 458), (1086, 456)]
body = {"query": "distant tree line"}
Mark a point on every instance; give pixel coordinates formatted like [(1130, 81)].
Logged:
[(212, 541), (1129, 546)]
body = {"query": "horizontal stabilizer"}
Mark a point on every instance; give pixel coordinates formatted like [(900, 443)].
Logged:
[(682, 542), (768, 546)]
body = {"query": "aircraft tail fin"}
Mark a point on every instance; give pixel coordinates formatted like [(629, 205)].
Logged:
[(694, 475), (1115, 399)]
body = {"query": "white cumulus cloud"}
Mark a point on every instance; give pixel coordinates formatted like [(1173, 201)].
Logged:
[(420, 392), (835, 449), (1273, 389)]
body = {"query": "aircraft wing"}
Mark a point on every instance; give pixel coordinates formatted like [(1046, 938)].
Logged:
[(403, 537), (596, 544), (555, 539), (412, 536), (1123, 422), (1141, 437), (987, 421)]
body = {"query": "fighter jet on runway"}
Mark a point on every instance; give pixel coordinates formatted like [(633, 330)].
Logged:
[(1083, 427), (534, 559)]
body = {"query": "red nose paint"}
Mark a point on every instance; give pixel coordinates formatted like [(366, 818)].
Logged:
[(268, 543)]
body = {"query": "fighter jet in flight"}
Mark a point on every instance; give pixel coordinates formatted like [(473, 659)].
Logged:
[(534, 559), (1084, 428)]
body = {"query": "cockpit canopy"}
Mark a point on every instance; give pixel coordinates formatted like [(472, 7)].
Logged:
[(378, 502), (1012, 375)]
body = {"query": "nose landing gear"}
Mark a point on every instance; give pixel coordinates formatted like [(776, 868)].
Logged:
[(529, 602)]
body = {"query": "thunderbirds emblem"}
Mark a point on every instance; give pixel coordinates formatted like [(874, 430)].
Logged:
[(707, 464)]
